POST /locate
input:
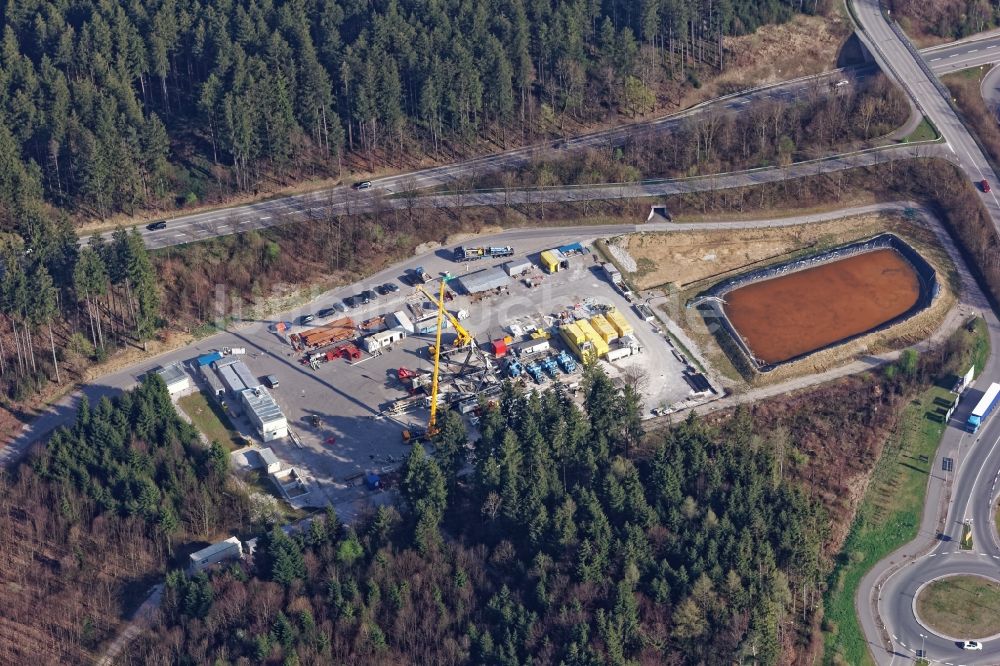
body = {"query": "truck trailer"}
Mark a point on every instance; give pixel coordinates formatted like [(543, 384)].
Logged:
[(984, 407), (463, 253)]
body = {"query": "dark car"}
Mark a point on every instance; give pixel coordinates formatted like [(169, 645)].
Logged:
[(306, 318), (156, 226), (271, 381), (327, 312), (381, 290), (390, 287), (367, 296), (363, 185), (984, 185), (353, 301)]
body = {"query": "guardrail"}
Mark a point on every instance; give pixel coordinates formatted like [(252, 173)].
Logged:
[(663, 181)]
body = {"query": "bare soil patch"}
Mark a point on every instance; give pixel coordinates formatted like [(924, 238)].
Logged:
[(805, 45), (680, 259)]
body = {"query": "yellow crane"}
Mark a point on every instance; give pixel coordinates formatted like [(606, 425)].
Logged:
[(463, 340), (463, 337)]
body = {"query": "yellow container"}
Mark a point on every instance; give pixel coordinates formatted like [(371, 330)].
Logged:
[(599, 345), (604, 328), (618, 320), (550, 262)]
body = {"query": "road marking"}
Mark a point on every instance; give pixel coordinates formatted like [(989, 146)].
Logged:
[(953, 55), (934, 59), (265, 218), (991, 47), (974, 51)]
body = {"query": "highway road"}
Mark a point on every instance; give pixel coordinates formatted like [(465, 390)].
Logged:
[(886, 596), (342, 199)]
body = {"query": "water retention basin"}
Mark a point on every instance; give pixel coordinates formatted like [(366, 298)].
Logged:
[(783, 313)]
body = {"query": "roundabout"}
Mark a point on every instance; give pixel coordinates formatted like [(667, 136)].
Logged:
[(960, 607)]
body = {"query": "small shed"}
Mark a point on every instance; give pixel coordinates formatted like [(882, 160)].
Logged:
[(485, 280), (177, 380), (378, 341), (223, 551), (517, 267), (268, 460), (531, 347)]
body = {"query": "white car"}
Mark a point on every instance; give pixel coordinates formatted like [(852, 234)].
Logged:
[(972, 645)]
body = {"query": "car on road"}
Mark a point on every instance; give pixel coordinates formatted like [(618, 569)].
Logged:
[(971, 645), (306, 318), (363, 185), (156, 226), (271, 381), (984, 185)]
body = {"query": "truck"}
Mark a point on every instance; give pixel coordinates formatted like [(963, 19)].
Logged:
[(984, 407), (463, 253), (418, 276)]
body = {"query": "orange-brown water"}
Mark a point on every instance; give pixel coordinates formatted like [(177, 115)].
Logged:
[(794, 314)]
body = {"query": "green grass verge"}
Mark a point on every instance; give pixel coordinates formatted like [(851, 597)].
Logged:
[(961, 606), (966, 542), (209, 418), (889, 514), (925, 132)]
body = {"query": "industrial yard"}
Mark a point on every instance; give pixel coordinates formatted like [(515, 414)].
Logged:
[(339, 399)]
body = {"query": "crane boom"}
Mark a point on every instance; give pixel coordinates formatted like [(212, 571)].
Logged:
[(464, 338), (432, 421)]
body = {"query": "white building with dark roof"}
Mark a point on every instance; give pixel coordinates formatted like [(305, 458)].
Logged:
[(264, 413)]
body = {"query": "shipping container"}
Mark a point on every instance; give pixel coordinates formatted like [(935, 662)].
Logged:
[(617, 319), (604, 328), (553, 261)]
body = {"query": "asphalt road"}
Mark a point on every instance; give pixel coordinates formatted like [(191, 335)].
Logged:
[(885, 599), (201, 226)]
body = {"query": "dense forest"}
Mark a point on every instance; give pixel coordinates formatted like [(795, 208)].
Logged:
[(109, 107), (79, 304), (557, 546), (90, 522)]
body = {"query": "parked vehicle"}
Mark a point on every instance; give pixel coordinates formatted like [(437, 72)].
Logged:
[(368, 296), (271, 381), (156, 226), (984, 407), (463, 253), (306, 318), (363, 185), (984, 185), (391, 287), (326, 312)]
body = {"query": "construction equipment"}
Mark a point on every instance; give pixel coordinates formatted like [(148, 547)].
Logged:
[(514, 369), (566, 362), (432, 421), (549, 366), (535, 371), (462, 337)]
